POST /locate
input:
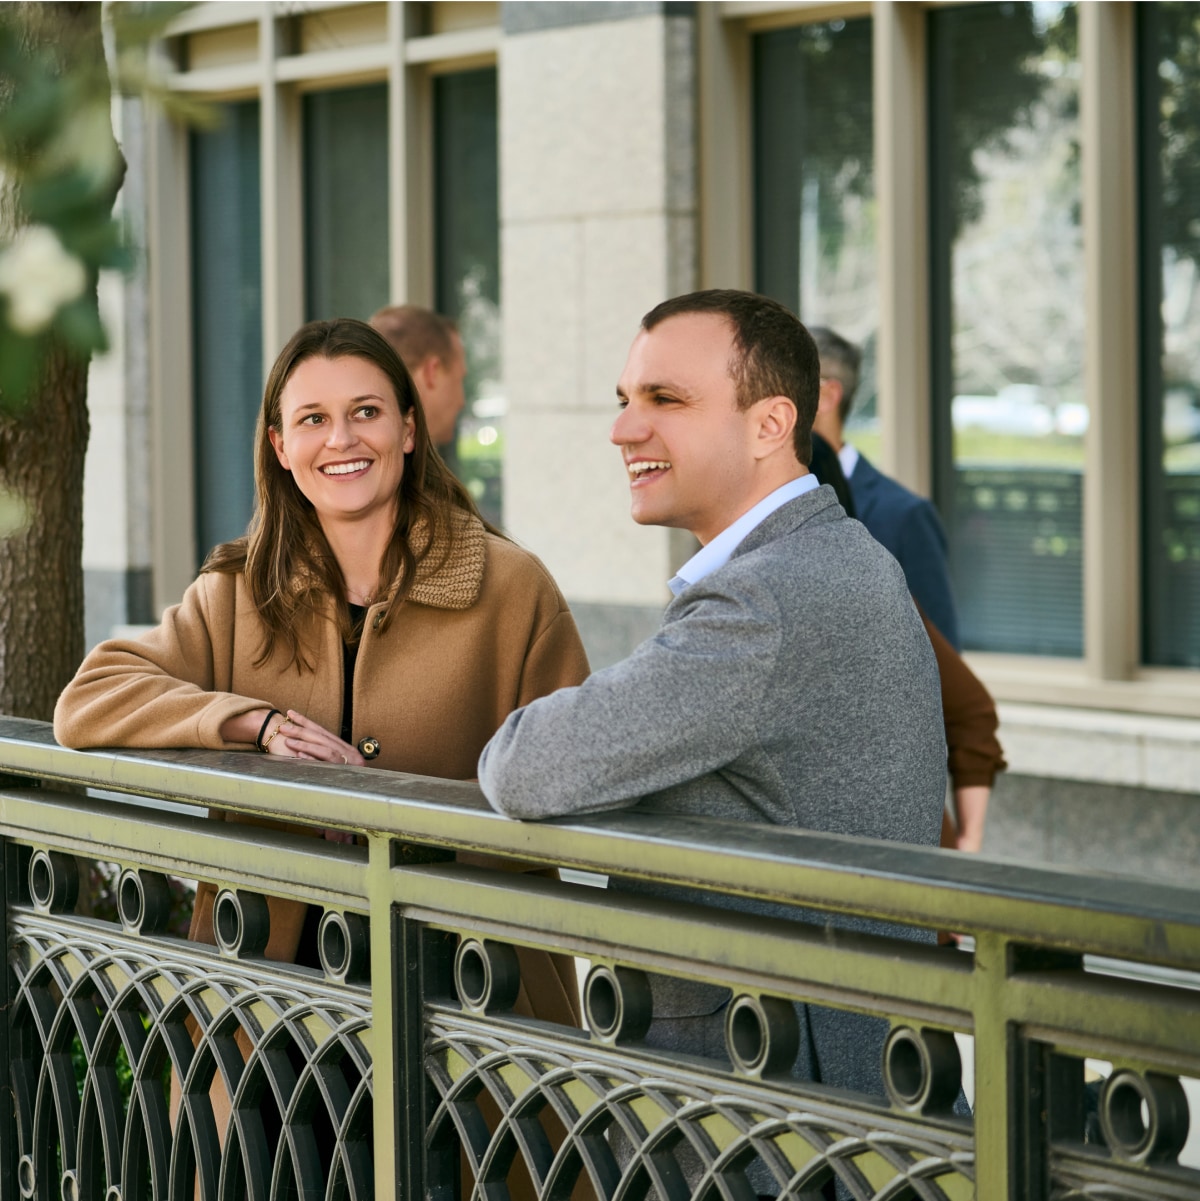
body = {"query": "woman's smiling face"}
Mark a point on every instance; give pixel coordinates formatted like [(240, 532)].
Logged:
[(343, 438)]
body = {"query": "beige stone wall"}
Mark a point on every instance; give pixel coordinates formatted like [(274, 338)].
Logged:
[(1130, 750), (598, 224)]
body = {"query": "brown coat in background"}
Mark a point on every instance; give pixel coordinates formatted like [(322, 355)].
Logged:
[(974, 754)]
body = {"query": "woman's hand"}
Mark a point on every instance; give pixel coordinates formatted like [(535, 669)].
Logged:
[(301, 738), (304, 739), (293, 736)]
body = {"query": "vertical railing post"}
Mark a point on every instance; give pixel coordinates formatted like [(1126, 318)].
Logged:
[(415, 957), (13, 865), (409, 1046), (1024, 1095), (8, 1114), (998, 1102), (384, 1054), (1049, 1087)]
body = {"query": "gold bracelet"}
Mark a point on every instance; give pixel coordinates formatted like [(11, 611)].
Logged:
[(271, 737)]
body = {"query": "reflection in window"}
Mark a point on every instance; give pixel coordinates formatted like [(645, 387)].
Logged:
[(345, 202), (815, 189), (1008, 332), (226, 321), (1169, 41), (467, 207)]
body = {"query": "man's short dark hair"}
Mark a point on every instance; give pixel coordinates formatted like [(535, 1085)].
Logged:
[(840, 360), (774, 355), (416, 333)]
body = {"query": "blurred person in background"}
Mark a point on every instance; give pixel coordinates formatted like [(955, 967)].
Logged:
[(431, 348), (907, 524), (974, 754)]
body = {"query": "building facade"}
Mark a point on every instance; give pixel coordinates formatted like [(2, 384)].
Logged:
[(996, 200)]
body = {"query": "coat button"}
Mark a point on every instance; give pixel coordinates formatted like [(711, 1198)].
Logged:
[(377, 620), (368, 747)]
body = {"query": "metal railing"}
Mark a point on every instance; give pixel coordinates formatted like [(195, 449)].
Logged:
[(399, 1068)]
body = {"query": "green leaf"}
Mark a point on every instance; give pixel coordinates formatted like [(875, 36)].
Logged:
[(55, 141), (20, 358), (79, 325)]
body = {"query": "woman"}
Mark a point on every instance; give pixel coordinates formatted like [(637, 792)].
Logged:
[(369, 614)]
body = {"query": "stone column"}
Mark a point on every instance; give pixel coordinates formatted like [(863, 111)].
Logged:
[(598, 224), (116, 482)]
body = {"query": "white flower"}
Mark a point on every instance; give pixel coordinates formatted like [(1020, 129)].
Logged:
[(39, 276)]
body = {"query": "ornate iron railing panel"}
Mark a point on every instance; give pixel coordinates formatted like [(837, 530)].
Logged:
[(416, 1079), (104, 1027), (633, 1126)]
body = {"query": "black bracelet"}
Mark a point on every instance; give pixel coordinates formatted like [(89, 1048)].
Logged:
[(258, 742)]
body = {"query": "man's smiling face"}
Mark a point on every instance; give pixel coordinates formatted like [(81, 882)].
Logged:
[(687, 447)]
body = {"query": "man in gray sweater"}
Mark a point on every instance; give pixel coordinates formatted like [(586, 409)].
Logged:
[(791, 681)]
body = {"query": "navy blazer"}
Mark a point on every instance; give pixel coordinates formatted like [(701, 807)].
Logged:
[(909, 526)]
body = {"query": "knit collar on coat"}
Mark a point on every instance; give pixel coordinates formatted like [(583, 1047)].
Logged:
[(450, 573), (453, 580)]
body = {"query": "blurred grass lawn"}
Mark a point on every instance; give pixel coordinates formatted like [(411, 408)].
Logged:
[(979, 448)]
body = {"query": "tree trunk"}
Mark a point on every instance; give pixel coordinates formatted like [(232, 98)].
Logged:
[(41, 471), (41, 566)]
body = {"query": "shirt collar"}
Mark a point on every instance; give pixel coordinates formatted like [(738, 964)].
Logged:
[(848, 457), (720, 550)]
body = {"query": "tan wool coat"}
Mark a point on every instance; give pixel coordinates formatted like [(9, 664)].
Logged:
[(477, 637)]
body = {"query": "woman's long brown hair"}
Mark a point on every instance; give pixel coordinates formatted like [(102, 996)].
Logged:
[(287, 562)]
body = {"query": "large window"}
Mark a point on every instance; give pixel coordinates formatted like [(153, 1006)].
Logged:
[(467, 224), (1042, 331), (346, 202), (814, 186), (1008, 320), (226, 321), (344, 151), (1169, 40)]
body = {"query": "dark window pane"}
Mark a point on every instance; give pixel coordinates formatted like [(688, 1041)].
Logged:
[(346, 202), (814, 188), (468, 269), (1007, 320), (1169, 41), (226, 321)]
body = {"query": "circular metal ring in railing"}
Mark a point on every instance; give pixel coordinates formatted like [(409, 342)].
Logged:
[(922, 1070), (70, 1186), (344, 944), (114, 1193), (617, 1005), (53, 881), (487, 975), (26, 1176), (1144, 1117), (242, 922), (762, 1034), (143, 901)]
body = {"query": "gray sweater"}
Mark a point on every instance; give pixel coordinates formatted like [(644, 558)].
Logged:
[(794, 686)]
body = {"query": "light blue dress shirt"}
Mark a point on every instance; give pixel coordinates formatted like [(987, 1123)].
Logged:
[(719, 551)]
